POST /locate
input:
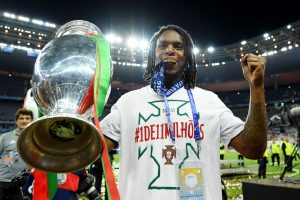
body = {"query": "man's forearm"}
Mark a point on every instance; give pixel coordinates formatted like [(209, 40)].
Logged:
[(251, 142), (255, 132)]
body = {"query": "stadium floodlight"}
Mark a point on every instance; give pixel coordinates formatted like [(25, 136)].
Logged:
[(210, 49), (24, 19), (112, 38), (9, 15), (132, 42), (196, 50), (283, 49), (243, 42), (266, 35), (144, 45), (118, 39), (289, 26), (38, 22), (51, 25)]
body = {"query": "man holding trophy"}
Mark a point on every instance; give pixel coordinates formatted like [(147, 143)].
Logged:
[(159, 128)]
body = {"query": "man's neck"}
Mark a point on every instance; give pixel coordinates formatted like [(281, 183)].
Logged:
[(18, 131), (169, 82)]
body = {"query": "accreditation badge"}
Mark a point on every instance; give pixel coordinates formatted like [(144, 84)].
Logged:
[(190, 177)]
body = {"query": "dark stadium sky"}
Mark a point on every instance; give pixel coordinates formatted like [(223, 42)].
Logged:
[(209, 22)]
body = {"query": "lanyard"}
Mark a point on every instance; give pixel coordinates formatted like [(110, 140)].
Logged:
[(169, 118), (157, 84), (198, 135)]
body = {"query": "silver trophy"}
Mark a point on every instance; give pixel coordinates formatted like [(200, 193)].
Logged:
[(64, 139)]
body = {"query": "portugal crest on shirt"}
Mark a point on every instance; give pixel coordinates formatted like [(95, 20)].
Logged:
[(169, 153)]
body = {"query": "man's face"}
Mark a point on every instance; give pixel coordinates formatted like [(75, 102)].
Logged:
[(22, 121), (170, 49)]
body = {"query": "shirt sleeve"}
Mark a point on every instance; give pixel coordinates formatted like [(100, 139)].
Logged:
[(110, 125), (230, 125)]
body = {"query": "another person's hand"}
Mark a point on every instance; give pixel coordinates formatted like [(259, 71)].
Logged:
[(254, 69)]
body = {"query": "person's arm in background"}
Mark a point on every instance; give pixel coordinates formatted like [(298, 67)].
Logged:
[(252, 141), (1, 145), (110, 144)]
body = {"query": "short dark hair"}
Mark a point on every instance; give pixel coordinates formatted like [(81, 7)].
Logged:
[(190, 70), (23, 111)]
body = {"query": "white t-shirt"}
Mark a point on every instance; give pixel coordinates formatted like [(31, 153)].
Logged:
[(148, 157)]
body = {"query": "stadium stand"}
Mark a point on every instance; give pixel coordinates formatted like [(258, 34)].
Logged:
[(20, 43)]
